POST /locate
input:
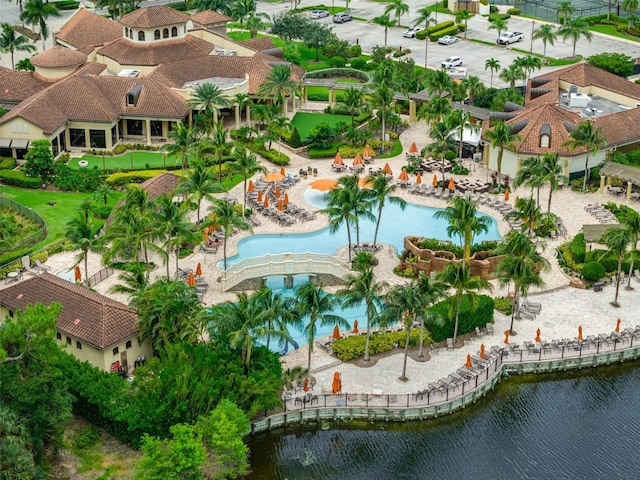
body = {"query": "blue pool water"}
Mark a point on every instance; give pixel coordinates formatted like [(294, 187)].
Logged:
[(395, 225)]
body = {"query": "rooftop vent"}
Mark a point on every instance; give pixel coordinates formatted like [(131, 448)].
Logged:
[(129, 73), (133, 95)]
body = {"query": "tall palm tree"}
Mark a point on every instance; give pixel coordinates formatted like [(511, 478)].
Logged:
[(438, 82), (183, 138), (527, 212), (243, 315), (102, 193), (363, 288), (398, 7), (381, 191), (463, 16), (280, 126), (564, 10), (171, 223), (242, 100), (359, 199), (630, 6), (459, 120), (208, 98), (434, 111), (617, 241), (575, 29), (278, 85), (135, 280), (38, 12), (458, 277), (547, 33), (313, 302), (553, 174), (501, 138), (424, 16), (499, 25), (512, 73), (339, 211), (473, 86), (240, 10), (382, 98), (631, 221), (588, 137), (386, 22), (200, 184), (82, 234), (15, 445), (492, 64), (226, 217), (219, 144), (12, 41), (246, 164), (530, 175), (442, 142), (353, 99), (277, 312), (461, 213)]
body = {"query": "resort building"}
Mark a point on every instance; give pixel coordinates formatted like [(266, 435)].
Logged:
[(109, 82), (555, 104), (93, 327)]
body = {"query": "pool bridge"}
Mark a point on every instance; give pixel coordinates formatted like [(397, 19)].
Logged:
[(251, 272)]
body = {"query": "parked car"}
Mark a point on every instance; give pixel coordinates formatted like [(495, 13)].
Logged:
[(447, 40), (319, 14), (507, 38), (410, 33), (342, 17), (451, 62)]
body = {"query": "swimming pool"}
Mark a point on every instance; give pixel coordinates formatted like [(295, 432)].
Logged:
[(395, 225)]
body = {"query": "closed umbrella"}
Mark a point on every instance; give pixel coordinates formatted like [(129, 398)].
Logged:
[(306, 385), (277, 192), (358, 160), (266, 201), (506, 195), (205, 235), (537, 339), (434, 182), (355, 327), (367, 152), (210, 229), (336, 386), (192, 280), (469, 364), (280, 205), (282, 172), (580, 332), (387, 169), (482, 354), (413, 149), (250, 188), (336, 332), (452, 184), (404, 176), (259, 195), (77, 274), (199, 269), (618, 326), (338, 160), (506, 336), (418, 179), (286, 198)]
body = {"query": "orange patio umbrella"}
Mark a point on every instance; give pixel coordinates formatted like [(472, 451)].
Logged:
[(452, 184), (482, 354), (306, 385), (434, 182), (355, 327), (199, 269), (367, 151), (277, 192), (364, 182), (259, 195), (387, 169), (537, 339), (336, 386), (358, 160), (506, 195), (336, 332), (506, 336), (192, 280), (286, 198), (273, 177), (469, 364), (324, 184), (338, 160), (282, 172), (250, 188), (210, 229), (404, 176), (205, 234), (280, 205), (77, 274), (580, 332), (413, 148), (266, 201), (618, 326), (418, 179)]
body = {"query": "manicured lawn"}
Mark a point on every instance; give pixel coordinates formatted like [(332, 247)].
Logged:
[(57, 216), (129, 161), (304, 122), (611, 30)]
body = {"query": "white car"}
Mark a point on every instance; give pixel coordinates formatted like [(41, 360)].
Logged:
[(447, 40), (451, 62), (411, 32), (319, 14)]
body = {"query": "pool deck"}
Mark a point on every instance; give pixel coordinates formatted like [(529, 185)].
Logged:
[(564, 308)]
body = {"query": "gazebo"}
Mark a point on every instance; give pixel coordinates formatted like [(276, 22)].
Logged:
[(626, 173)]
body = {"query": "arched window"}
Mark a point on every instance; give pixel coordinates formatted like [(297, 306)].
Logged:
[(174, 31), (156, 35), (141, 36), (131, 34), (545, 136), (126, 32), (165, 33)]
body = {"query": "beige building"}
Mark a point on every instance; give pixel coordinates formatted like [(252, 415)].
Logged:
[(94, 328), (109, 82)]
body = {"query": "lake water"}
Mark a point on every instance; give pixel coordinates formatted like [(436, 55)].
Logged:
[(575, 426)]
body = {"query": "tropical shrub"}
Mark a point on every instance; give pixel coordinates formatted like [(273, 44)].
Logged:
[(337, 62), (272, 155), (503, 304), (514, 11), (81, 180), (17, 178), (8, 163), (138, 176), (468, 320), (353, 347), (358, 63), (578, 248), (593, 271)]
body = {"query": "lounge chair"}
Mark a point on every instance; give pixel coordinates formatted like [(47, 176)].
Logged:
[(526, 314), (636, 273), (42, 266), (489, 328), (478, 332), (26, 263), (449, 343)]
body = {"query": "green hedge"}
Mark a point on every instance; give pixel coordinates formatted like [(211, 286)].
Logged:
[(339, 72), (8, 163), (353, 347), (272, 155), (578, 248), (124, 178), (447, 31), (66, 5), (514, 11), (17, 178), (608, 260), (593, 271), (468, 321), (422, 34)]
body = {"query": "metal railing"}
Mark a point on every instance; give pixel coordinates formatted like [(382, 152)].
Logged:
[(26, 212), (103, 274)]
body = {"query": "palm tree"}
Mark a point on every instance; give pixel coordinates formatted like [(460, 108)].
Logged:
[(474, 86), (442, 141), (438, 82), (170, 222), (547, 33), (200, 184), (631, 221), (575, 29), (208, 98), (183, 137), (277, 312), (280, 126), (398, 7), (339, 211), (499, 25), (529, 64), (135, 280), (15, 445), (313, 302), (458, 276), (359, 199), (278, 85), (38, 12), (240, 10), (243, 315), (463, 16), (617, 241), (381, 191), (246, 164), (353, 100), (588, 137), (461, 213), (511, 74), (382, 98), (493, 65), (564, 10), (219, 144), (553, 174), (82, 234), (530, 175), (630, 6), (527, 212), (226, 217), (103, 192), (386, 22), (424, 16), (501, 138), (11, 41), (459, 120), (242, 100), (363, 288)]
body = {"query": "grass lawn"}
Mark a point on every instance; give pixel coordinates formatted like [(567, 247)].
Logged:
[(304, 122), (129, 161), (56, 217), (244, 35), (611, 30)]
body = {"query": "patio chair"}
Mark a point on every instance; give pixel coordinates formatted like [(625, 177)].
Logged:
[(489, 328), (42, 266), (26, 263), (478, 332), (526, 314), (449, 343)]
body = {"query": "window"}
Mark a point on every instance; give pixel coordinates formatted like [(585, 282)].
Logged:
[(98, 139), (116, 351), (174, 32), (134, 127), (165, 33), (78, 345), (58, 335), (128, 344), (141, 36), (114, 135), (156, 35), (545, 136), (77, 137), (68, 341), (11, 313), (131, 34), (126, 32), (156, 128)]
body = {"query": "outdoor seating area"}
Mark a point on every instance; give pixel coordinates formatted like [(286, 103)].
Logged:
[(194, 279), (430, 164), (600, 213), (268, 196)]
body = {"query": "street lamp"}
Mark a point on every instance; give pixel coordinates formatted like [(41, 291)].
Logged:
[(533, 26)]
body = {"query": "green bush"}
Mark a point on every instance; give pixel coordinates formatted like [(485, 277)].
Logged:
[(493, 9), (339, 72), (503, 304), (513, 11), (82, 180), (337, 62), (294, 139), (434, 37), (578, 248), (123, 178), (358, 63), (593, 271), (17, 178), (468, 321), (66, 4), (273, 155), (8, 163), (353, 347)]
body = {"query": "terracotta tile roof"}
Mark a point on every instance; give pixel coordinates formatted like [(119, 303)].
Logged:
[(621, 127), (155, 16), (98, 99), (88, 316), (258, 44), (126, 52), (58, 57), (209, 17), (85, 30), (18, 86)]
